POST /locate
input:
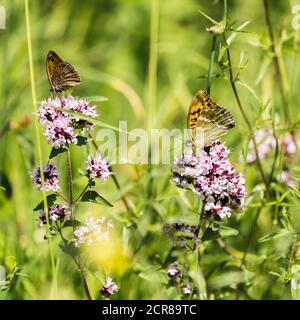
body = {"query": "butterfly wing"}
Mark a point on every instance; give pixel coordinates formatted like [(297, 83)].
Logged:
[(61, 75), (52, 61), (213, 119), (65, 77), (199, 102)]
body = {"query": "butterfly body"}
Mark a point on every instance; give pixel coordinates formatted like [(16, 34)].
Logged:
[(61, 75), (211, 118)]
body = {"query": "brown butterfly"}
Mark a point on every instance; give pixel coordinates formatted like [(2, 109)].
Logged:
[(61, 74), (214, 120)]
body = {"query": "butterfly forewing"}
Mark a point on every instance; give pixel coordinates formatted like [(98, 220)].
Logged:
[(213, 119), (61, 74)]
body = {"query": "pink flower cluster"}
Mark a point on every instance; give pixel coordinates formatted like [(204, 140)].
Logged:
[(56, 212), (61, 128), (50, 177), (187, 289), (266, 143), (174, 271), (109, 288), (98, 167), (212, 177)]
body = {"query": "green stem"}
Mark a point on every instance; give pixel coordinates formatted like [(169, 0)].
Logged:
[(201, 211), (211, 63), (152, 66), (38, 144), (70, 183), (292, 253), (116, 182), (277, 64), (248, 243), (78, 264), (278, 72), (62, 197), (234, 89), (81, 194), (275, 156)]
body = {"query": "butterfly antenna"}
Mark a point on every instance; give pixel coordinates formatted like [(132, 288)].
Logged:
[(187, 143)]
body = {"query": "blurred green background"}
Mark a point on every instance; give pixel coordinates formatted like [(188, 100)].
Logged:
[(109, 44)]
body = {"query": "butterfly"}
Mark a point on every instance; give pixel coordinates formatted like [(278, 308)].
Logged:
[(61, 74), (205, 114)]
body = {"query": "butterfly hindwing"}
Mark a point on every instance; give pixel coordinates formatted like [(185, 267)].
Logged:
[(213, 119), (61, 74), (218, 121), (65, 77)]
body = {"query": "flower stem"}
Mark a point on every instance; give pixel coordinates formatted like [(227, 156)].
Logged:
[(116, 182), (211, 63), (38, 144), (277, 64), (81, 194), (62, 197), (70, 182), (248, 243), (292, 253), (278, 72), (201, 210), (238, 100), (78, 264), (152, 65)]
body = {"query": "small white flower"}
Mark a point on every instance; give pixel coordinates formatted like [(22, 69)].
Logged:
[(92, 231)]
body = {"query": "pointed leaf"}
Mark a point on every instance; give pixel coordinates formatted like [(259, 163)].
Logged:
[(69, 249), (95, 98), (70, 223), (81, 141), (50, 201), (227, 232), (55, 152), (208, 17), (93, 196)]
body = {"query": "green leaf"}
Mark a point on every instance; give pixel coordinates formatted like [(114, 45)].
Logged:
[(295, 282), (54, 152), (70, 223), (230, 40), (81, 141), (95, 98), (82, 172), (227, 232), (208, 18), (275, 235), (69, 248), (100, 275), (210, 235), (170, 258), (220, 232), (50, 201), (93, 196), (228, 279)]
